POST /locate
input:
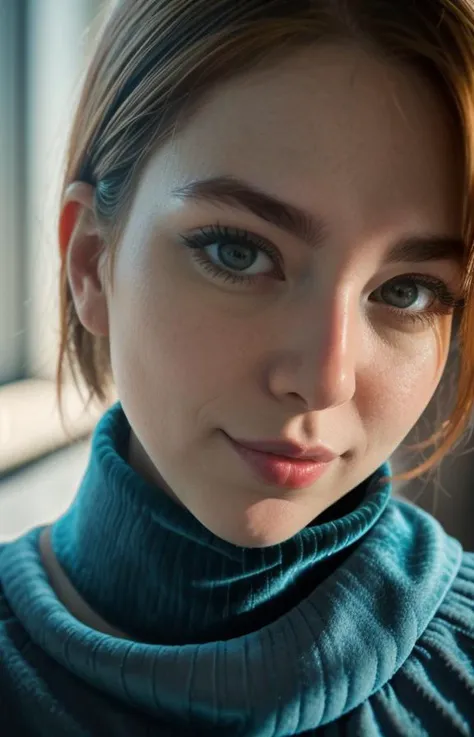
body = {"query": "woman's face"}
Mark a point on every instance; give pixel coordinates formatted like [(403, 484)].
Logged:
[(321, 340)]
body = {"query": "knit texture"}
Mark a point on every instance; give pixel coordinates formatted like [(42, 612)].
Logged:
[(360, 625)]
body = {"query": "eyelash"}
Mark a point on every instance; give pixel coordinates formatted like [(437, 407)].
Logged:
[(446, 300)]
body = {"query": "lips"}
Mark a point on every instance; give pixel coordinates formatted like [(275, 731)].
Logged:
[(289, 449), (282, 471)]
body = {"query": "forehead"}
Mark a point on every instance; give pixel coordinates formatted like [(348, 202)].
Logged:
[(368, 148), (330, 129)]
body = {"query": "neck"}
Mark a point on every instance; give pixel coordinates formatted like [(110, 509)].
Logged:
[(146, 566)]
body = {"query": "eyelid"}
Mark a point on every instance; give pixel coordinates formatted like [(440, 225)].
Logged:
[(203, 237), (450, 285)]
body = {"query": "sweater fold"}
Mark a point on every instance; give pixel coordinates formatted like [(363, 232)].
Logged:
[(148, 567), (210, 638)]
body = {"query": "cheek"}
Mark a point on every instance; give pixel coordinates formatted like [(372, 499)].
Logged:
[(396, 391), (171, 335)]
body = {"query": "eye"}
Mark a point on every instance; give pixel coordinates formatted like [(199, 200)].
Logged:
[(235, 255), (239, 257), (419, 298)]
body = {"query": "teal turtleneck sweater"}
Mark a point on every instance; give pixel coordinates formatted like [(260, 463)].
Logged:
[(360, 625)]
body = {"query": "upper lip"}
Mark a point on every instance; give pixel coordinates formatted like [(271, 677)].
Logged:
[(290, 449)]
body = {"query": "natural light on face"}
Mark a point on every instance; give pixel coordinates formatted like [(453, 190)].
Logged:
[(223, 321)]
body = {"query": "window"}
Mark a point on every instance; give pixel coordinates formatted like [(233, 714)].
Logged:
[(12, 160), (43, 47)]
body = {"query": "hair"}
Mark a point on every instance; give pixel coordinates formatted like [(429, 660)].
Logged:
[(155, 60)]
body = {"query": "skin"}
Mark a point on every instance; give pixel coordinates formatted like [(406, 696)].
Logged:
[(368, 147)]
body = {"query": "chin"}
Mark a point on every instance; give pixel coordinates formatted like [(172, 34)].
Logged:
[(262, 525), (256, 540)]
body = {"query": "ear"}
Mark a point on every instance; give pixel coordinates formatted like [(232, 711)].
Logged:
[(80, 244)]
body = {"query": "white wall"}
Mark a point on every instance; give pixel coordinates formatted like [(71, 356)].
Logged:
[(57, 45), (10, 187)]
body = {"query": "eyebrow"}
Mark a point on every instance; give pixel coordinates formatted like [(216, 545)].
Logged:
[(228, 190)]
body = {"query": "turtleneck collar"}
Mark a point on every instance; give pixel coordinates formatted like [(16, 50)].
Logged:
[(148, 566), (152, 570)]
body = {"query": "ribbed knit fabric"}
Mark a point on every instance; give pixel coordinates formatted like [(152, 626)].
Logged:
[(360, 625)]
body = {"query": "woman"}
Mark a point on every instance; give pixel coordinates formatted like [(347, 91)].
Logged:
[(234, 562)]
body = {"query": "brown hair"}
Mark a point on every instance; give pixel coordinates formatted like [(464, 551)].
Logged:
[(156, 59)]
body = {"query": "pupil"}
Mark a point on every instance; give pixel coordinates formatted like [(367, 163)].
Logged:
[(236, 257), (405, 293)]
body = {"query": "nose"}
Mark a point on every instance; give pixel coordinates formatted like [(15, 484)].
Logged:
[(317, 363)]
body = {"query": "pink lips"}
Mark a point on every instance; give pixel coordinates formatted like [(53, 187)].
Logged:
[(297, 472), (319, 453)]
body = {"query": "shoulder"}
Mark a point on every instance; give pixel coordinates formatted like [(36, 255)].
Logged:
[(435, 684), (6, 613), (13, 640), (453, 622), (462, 589), (12, 634), (27, 675)]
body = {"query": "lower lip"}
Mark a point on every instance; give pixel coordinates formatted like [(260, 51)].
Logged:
[(281, 471)]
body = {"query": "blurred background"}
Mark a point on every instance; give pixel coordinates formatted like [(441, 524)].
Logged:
[(44, 47)]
